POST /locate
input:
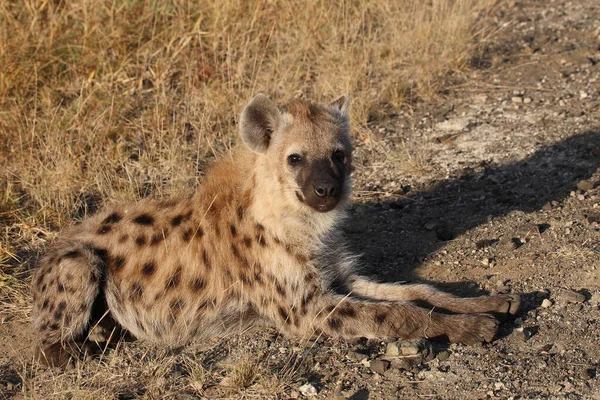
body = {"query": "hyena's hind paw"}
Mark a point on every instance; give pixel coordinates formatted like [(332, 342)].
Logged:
[(471, 329)]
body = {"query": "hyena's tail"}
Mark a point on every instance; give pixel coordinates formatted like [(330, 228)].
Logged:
[(65, 286)]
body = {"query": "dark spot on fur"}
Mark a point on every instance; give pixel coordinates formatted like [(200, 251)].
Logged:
[(178, 219), (380, 318), (247, 242), (199, 232), (60, 287), (102, 254), (198, 284), (260, 227), (137, 290), (205, 259), (187, 235), (246, 280), (174, 279), (59, 310), (235, 252), (45, 304), (240, 212), (148, 268), (233, 230), (44, 287), (123, 238), (72, 254), (112, 218), (144, 219), (83, 307), (156, 238), (283, 314), (302, 259), (305, 301), (177, 305), (103, 229), (258, 278), (53, 326), (261, 240), (140, 240), (346, 311), (118, 263), (334, 323), (280, 288)]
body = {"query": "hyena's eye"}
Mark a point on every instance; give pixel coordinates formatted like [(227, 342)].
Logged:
[(294, 159), (339, 155)]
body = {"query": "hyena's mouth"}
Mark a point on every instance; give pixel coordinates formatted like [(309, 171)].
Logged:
[(322, 206)]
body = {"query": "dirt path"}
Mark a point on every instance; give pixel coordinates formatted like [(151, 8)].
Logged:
[(493, 191)]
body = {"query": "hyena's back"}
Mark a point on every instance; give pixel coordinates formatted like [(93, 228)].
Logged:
[(149, 263)]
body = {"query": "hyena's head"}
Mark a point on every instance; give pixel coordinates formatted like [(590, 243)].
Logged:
[(304, 148)]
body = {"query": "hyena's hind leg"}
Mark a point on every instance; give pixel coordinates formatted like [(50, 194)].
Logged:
[(502, 304), (65, 286)]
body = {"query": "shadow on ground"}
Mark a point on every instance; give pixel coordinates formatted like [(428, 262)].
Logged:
[(395, 243)]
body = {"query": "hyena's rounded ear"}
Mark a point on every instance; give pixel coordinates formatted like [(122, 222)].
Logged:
[(341, 105), (257, 123)]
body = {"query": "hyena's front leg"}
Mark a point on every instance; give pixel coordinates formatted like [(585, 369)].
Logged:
[(497, 304), (348, 317)]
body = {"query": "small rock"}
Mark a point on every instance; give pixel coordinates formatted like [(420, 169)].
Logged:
[(546, 303), (379, 366), (392, 349), (588, 373), (571, 296), (527, 100), (308, 390), (443, 355), (557, 348), (499, 386), (593, 217), (408, 363), (294, 394), (522, 334), (585, 185), (517, 99), (357, 356)]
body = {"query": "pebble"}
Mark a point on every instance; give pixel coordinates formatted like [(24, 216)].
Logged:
[(443, 355), (585, 185), (308, 390), (571, 296), (527, 100), (517, 99), (546, 303), (379, 366), (357, 356), (593, 217)]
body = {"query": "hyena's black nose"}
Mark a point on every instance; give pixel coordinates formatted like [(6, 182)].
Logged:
[(325, 188)]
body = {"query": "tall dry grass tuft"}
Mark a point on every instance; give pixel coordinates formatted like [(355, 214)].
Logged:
[(113, 99)]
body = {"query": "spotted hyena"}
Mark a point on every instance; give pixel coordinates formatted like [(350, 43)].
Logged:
[(258, 241)]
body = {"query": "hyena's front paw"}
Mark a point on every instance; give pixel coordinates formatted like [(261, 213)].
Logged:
[(472, 328)]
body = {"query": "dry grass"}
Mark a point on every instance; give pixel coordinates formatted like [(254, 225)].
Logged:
[(107, 100), (122, 99)]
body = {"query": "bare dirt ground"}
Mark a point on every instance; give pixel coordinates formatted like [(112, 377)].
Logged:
[(494, 189)]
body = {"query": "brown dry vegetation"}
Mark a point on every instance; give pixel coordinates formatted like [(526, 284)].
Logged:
[(106, 100)]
